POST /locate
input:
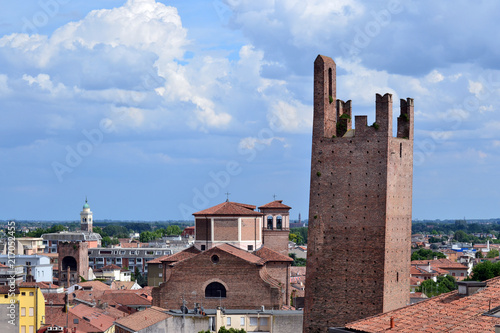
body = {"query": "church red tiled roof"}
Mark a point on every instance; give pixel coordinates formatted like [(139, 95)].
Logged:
[(183, 255), (276, 204), (229, 208), (448, 312), (269, 255)]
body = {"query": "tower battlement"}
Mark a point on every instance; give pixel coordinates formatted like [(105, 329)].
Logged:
[(359, 208)]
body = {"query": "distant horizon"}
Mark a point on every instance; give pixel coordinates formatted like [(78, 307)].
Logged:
[(472, 220)]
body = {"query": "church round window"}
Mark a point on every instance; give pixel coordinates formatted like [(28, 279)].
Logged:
[(214, 259)]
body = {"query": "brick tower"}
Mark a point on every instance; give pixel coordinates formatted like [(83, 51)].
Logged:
[(276, 226), (360, 208), (73, 261)]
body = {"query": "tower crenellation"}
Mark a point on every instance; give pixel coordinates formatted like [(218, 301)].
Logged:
[(359, 208)]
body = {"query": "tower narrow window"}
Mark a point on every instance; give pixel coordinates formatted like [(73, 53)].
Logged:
[(330, 83), (270, 222), (400, 150), (279, 222)]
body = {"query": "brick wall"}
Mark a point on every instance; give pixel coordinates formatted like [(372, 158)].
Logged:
[(276, 240), (360, 209), (189, 278), (226, 229)]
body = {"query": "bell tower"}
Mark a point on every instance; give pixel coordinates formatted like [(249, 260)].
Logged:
[(86, 218)]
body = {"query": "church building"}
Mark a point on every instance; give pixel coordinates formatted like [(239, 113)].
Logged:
[(230, 263)]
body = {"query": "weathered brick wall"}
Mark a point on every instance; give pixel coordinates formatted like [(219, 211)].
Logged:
[(79, 251), (276, 240), (250, 229), (359, 214), (244, 286), (226, 229), (281, 272), (203, 228)]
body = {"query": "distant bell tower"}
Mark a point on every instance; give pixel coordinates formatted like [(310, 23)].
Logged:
[(86, 218), (358, 251), (276, 226)]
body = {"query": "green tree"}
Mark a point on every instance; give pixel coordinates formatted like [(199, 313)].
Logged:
[(173, 230), (493, 253), (223, 329), (461, 236), (296, 238), (424, 254), (297, 261), (444, 284), (479, 254), (485, 271)]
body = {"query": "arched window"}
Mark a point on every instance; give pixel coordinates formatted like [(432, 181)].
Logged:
[(279, 222), (215, 289), (270, 222)]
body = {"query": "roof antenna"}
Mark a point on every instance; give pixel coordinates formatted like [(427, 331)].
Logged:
[(274, 197), (227, 196)]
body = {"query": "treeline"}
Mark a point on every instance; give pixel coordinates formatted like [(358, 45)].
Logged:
[(451, 228)]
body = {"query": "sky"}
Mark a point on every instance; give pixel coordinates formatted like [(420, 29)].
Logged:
[(154, 110)]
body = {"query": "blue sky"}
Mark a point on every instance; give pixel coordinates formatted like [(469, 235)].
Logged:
[(155, 109)]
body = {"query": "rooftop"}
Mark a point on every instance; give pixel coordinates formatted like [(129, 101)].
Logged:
[(143, 319), (230, 208), (276, 204), (450, 312)]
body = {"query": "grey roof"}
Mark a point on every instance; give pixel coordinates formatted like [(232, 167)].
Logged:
[(72, 236)]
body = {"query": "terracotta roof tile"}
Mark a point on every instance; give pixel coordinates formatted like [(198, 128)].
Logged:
[(183, 255), (448, 312), (111, 267), (276, 204), (158, 260), (230, 208), (96, 285), (143, 319), (298, 271), (269, 255)]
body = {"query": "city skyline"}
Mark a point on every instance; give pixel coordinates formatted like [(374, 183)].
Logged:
[(155, 109)]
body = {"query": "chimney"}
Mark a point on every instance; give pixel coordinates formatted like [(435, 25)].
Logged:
[(467, 288), (392, 323)]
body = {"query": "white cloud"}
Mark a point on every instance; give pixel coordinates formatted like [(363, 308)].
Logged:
[(434, 76), (44, 82), (292, 117), (475, 88), (251, 143)]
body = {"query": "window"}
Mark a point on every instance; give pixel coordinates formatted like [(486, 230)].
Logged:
[(242, 321), (122, 252), (32, 312), (461, 274), (139, 259), (31, 293), (279, 222), (23, 312), (23, 293), (28, 263), (253, 321), (32, 329), (263, 321), (160, 275), (203, 247), (228, 321), (452, 274), (250, 247), (160, 266), (270, 222), (216, 290), (132, 252), (23, 329)]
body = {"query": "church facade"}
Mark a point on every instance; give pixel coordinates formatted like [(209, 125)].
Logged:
[(230, 264)]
